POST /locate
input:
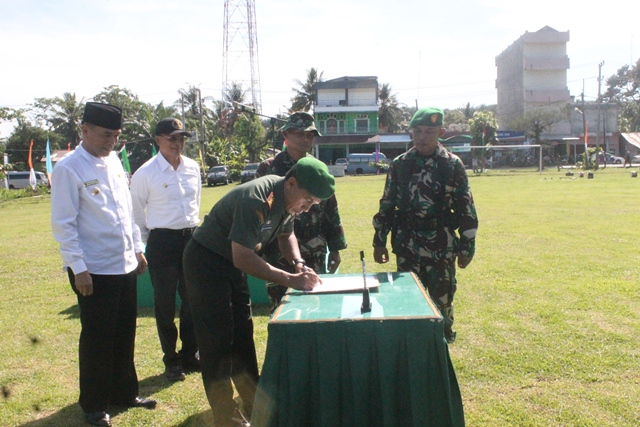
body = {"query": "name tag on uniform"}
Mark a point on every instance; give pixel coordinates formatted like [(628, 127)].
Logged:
[(90, 183), (266, 227)]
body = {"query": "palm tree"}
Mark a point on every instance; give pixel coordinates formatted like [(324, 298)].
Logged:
[(389, 114), (63, 115), (305, 95)]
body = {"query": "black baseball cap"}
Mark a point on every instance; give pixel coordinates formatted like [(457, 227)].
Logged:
[(171, 126)]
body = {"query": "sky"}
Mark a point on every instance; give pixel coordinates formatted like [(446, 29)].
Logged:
[(432, 53)]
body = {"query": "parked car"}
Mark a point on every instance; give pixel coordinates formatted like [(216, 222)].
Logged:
[(359, 163), (611, 159), (341, 162), (19, 180), (249, 172), (219, 175)]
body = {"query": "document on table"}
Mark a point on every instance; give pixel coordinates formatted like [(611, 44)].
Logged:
[(344, 284)]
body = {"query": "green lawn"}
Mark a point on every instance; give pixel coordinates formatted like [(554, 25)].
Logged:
[(546, 314)]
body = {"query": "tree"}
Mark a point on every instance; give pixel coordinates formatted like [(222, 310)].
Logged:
[(624, 88), (61, 115), (135, 113), (235, 94), (305, 95), (389, 113), (456, 121), (249, 133), (17, 145), (484, 127), (535, 122)]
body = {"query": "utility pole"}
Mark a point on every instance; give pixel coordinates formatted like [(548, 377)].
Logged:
[(202, 136), (584, 130), (598, 125)]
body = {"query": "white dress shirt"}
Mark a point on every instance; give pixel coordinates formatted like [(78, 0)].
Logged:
[(164, 197), (92, 214)]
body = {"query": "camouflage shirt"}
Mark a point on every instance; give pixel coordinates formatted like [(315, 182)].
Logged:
[(425, 199), (317, 229)]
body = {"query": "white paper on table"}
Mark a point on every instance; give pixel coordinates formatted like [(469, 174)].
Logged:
[(344, 283)]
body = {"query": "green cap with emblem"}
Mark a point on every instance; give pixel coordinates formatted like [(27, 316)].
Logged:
[(313, 175), (301, 120), (428, 116)]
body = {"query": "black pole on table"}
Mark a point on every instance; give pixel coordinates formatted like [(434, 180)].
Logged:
[(366, 303)]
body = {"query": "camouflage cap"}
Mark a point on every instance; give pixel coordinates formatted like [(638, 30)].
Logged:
[(428, 116), (313, 175), (301, 120)]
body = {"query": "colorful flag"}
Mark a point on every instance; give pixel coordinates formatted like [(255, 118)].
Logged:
[(49, 164), (586, 141), (32, 173), (125, 159)]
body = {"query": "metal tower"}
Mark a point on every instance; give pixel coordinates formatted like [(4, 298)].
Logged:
[(240, 50)]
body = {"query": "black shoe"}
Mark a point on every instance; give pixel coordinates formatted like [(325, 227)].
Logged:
[(98, 419), (142, 402), (175, 373), (450, 336), (192, 364)]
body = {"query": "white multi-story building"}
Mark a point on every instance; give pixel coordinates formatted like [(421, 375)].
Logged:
[(532, 74)]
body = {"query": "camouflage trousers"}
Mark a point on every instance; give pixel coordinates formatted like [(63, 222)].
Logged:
[(439, 279)]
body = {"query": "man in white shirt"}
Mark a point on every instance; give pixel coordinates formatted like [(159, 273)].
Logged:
[(92, 219), (166, 204)]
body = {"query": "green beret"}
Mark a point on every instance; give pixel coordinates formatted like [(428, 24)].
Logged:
[(428, 116), (313, 175), (301, 120)]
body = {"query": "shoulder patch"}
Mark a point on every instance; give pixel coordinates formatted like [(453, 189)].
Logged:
[(270, 200)]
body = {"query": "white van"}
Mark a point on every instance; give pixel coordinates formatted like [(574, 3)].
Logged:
[(21, 179), (359, 163)]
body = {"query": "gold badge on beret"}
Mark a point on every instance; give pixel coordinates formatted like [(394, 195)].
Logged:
[(434, 118)]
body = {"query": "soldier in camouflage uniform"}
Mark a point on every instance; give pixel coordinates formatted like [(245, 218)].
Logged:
[(318, 229), (426, 199)]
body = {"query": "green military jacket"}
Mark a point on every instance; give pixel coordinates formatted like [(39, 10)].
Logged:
[(316, 230), (425, 200), (252, 215)]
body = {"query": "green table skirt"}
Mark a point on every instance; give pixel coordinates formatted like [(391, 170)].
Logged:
[(351, 373)]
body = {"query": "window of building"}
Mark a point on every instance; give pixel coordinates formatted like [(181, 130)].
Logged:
[(362, 123), (333, 125)]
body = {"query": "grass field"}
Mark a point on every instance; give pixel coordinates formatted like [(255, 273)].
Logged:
[(546, 314)]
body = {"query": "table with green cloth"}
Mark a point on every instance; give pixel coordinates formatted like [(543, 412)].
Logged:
[(327, 364)]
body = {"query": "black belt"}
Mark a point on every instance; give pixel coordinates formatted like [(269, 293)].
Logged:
[(182, 232)]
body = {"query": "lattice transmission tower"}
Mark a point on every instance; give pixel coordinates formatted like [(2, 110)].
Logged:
[(240, 51)]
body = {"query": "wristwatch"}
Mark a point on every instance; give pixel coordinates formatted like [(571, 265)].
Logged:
[(298, 261)]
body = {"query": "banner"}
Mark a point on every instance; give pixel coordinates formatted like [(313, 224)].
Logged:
[(125, 160), (32, 173), (49, 164)]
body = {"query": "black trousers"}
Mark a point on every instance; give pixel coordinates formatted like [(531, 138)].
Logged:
[(221, 308), (164, 255), (107, 341)]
